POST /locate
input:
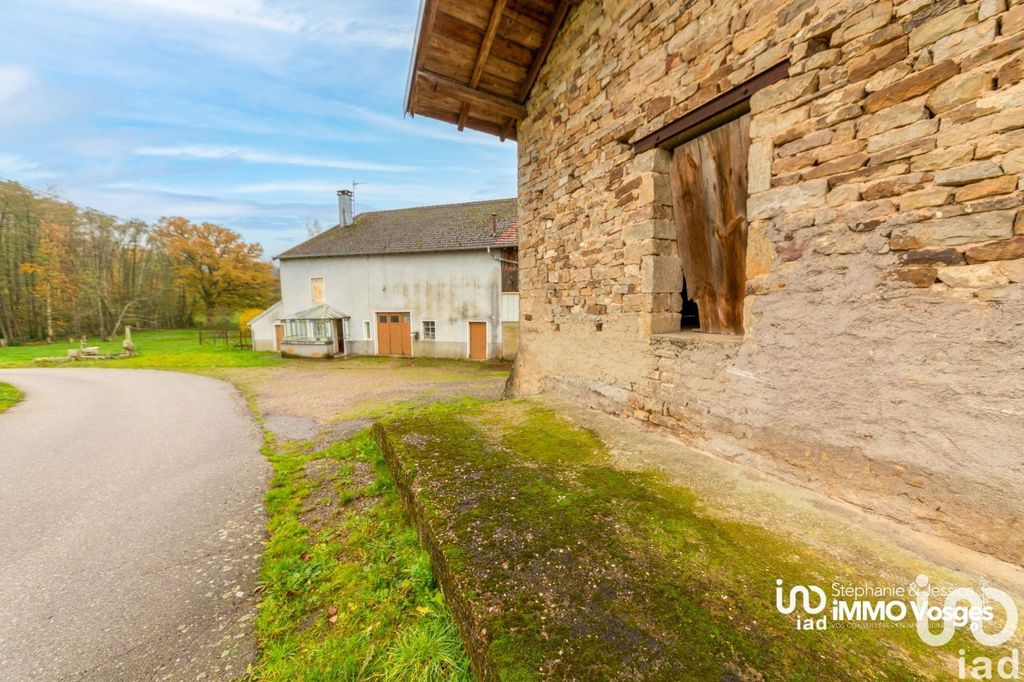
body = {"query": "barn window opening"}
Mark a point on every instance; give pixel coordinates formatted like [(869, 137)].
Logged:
[(509, 270), (367, 327), (429, 330), (709, 146), (690, 318), (709, 195)]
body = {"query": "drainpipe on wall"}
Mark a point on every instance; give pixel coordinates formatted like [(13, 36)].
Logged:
[(496, 307)]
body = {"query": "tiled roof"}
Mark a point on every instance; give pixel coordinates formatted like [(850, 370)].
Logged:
[(451, 227)]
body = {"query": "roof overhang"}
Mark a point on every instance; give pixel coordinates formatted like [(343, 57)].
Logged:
[(476, 61)]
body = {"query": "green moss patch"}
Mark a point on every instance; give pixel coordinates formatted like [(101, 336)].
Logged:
[(9, 396), (557, 565)]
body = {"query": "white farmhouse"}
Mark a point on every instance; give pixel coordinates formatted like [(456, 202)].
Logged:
[(434, 281)]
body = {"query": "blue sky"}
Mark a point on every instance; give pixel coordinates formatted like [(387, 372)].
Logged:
[(248, 113)]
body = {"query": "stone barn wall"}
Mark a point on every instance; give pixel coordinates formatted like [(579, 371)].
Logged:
[(883, 355)]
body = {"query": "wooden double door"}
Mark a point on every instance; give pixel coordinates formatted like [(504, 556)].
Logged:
[(394, 334)]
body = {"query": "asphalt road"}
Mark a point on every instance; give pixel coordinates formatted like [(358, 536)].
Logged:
[(131, 524)]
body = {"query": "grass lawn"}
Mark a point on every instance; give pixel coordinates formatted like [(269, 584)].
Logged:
[(174, 349), (9, 396), (348, 591)]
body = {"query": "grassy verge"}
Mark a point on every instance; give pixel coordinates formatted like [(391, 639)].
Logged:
[(174, 349), (9, 397), (562, 566), (348, 591)]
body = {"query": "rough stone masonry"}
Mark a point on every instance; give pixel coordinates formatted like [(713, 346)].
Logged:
[(882, 359)]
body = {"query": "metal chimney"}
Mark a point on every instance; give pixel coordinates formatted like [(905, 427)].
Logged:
[(344, 207)]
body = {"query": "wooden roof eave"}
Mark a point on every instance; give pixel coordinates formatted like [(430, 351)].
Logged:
[(476, 108)]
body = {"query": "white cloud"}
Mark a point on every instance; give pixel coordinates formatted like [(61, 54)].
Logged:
[(254, 13), (130, 200), (380, 194), (387, 35), (270, 158), (14, 80), (17, 168), (316, 20), (423, 127), (295, 186)]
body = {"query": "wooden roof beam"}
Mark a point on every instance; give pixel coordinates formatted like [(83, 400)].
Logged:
[(482, 54), (488, 41), (472, 96), (508, 129)]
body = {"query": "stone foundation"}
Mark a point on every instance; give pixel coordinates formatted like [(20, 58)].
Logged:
[(884, 318)]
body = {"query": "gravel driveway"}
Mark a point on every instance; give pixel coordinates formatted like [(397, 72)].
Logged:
[(131, 524), (305, 398)]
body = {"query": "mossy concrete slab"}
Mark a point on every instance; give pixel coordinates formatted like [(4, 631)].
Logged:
[(559, 563)]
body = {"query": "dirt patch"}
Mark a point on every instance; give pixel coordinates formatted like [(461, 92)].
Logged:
[(360, 476), (343, 429), (332, 392), (321, 506), (290, 428), (326, 504)]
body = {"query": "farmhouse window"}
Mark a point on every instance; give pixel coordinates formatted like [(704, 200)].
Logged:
[(367, 334), (429, 330), (308, 331), (316, 289)]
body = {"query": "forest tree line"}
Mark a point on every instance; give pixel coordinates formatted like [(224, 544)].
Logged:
[(67, 271)]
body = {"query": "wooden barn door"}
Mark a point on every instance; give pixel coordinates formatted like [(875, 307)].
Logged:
[(478, 340), (394, 335), (404, 336), (383, 335), (709, 183)]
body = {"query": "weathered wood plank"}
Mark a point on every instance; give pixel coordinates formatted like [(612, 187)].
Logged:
[(709, 182), (479, 55), (472, 95), (488, 41)]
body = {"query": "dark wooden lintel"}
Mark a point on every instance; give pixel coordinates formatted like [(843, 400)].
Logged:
[(675, 132)]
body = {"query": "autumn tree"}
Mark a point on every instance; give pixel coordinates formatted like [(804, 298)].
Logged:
[(51, 271), (215, 266), (68, 269)]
